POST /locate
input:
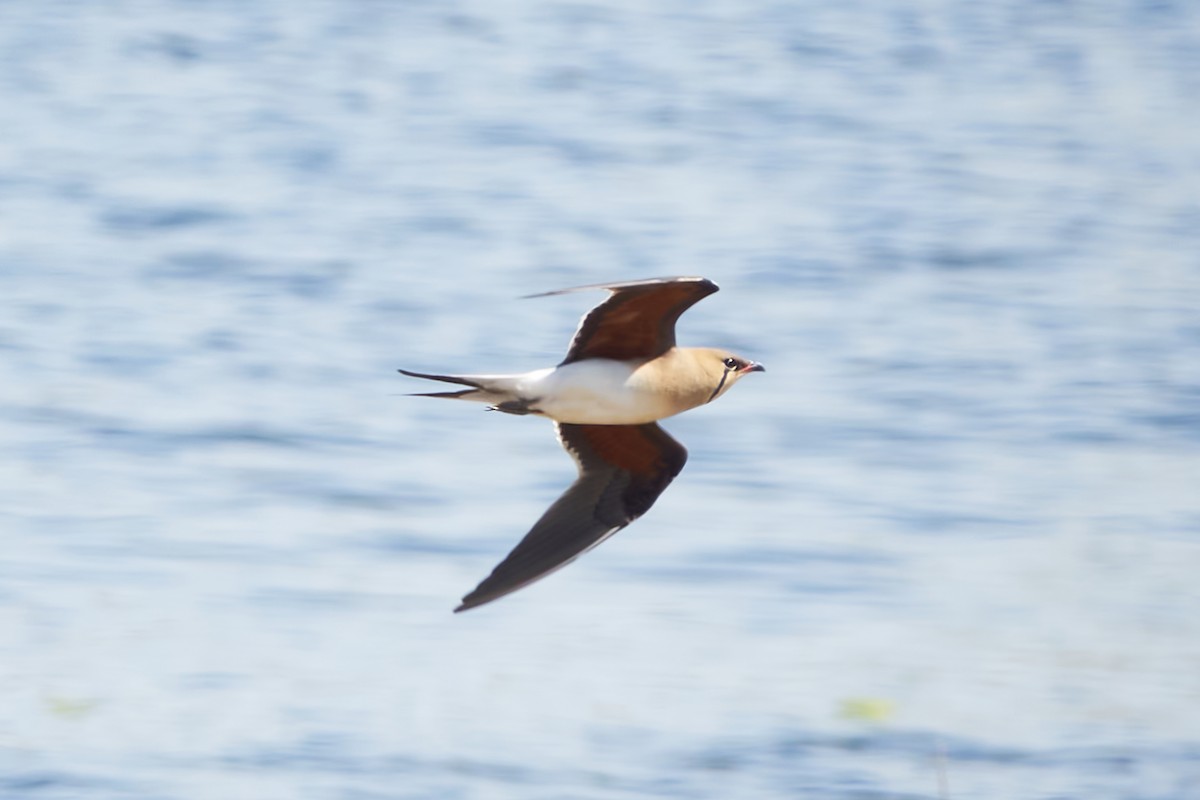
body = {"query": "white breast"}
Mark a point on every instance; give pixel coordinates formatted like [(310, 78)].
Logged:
[(593, 392)]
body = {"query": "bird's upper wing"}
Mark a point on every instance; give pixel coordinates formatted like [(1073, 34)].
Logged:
[(637, 320), (622, 471)]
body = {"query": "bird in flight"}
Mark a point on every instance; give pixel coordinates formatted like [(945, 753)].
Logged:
[(621, 375)]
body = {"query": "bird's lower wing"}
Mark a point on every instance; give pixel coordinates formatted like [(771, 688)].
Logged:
[(567, 530), (622, 471)]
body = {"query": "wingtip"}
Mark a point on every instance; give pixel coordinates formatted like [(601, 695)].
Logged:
[(467, 604), (472, 599), (626, 285), (483, 594)]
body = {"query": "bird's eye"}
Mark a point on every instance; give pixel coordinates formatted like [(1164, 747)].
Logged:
[(730, 363)]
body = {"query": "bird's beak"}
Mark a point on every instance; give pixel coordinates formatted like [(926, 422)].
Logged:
[(753, 366)]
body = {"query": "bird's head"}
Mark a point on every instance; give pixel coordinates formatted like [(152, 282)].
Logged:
[(726, 369)]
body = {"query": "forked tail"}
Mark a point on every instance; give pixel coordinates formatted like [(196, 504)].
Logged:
[(493, 389)]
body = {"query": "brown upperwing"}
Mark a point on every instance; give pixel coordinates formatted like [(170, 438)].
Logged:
[(638, 320)]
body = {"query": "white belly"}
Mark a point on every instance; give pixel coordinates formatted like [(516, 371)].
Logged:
[(593, 392)]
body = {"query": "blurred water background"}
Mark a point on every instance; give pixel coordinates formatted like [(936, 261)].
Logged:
[(947, 546)]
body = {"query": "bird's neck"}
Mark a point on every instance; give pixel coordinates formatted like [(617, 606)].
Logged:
[(679, 375)]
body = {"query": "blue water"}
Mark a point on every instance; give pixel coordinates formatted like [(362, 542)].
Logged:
[(947, 546)]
